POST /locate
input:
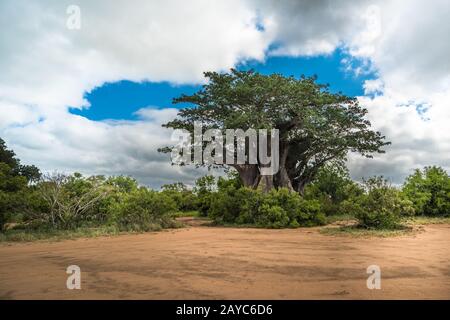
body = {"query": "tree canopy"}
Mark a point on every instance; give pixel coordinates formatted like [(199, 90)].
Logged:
[(315, 125)]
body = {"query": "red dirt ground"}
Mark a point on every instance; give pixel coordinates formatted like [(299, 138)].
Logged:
[(201, 262)]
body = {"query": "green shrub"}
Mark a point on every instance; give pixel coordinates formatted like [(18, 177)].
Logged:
[(13, 192), (299, 210), (331, 187), (310, 214), (183, 197), (272, 216), (67, 202), (231, 205), (123, 184), (276, 209), (142, 210), (60, 202), (4, 215), (380, 207), (203, 189)]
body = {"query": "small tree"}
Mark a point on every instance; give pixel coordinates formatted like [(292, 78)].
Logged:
[(30, 172), (70, 198), (12, 192), (381, 206), (332, 186)]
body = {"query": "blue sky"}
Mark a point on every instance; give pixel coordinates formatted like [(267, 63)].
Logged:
[(120, 100)]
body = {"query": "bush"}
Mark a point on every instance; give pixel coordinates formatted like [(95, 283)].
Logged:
[(276, 209), (67, 202), (380, 207), (4, 216), (203, 190), (12, 192), (331, 187), (183, 197), (231, 205), (142, 210), (310, 214), (60, 202), (122, 184), (272, 216), (299, 210), (429, 191)]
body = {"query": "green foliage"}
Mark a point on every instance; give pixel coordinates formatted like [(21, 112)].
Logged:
[(58, 203), (331, 187), (70, 202), (429, 191), (276, 209), (315, 125), (14, 179), (142, 210), (272, 216), (31, 173), (203, 190), (24, 235), (300, 211), (231, 205), (61, 202), (76, 201), (12, 191), (9, 180), (8, 156), (380, 206), (183, 197), (231, 180), (123, 183)]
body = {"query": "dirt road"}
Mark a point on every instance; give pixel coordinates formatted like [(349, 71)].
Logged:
[(230, 263)]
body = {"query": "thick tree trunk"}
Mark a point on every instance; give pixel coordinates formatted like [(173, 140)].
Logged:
[(266, 182), (282, 177), (283, 180), (249, 174)]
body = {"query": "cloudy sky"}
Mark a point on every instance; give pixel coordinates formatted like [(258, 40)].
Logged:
[(93, 99)]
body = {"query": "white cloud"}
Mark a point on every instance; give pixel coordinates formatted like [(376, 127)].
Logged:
[(417, 141), (411, 50), (45, 63), (311, 27), (374, 86), (46, 68), (411, 57)]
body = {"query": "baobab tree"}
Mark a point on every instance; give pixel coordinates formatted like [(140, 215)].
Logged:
[(315, 125)]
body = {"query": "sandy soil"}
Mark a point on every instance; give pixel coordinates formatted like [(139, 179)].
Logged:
[(229, 263)]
